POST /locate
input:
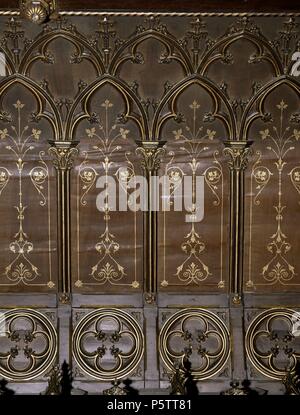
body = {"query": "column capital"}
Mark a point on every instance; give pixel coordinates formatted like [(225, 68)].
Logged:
[(63, 153), (151, 152), (238, 151)]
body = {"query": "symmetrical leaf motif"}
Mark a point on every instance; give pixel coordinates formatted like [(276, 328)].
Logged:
[(106, 137), (192, 140), (20, 142), (280, 143)]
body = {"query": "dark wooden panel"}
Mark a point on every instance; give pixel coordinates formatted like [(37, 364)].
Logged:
[(168, 5), (79, 70)]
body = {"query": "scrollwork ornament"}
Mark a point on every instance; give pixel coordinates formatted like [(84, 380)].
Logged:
[(4, 178), (21, 140), (281, 141), (294, 176), (38, 175)]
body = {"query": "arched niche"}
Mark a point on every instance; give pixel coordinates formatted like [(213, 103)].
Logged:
[(107, 243), (27, 191), (272, 189), (194, 122), (51, 52)]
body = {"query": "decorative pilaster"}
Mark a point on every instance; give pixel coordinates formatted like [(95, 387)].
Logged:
[(151, 152), (238, 152), (63, 153)]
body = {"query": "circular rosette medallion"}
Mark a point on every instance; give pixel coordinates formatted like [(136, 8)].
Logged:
[(108, 344), (28, 344), (199, 336), (273, 342)]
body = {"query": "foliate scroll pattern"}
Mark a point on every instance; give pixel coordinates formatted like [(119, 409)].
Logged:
[(21, 141), (194, 141), (295, 178), (197, 335), (108, 344), (107, 137), (271, 345), (280, 142), (28, 344)]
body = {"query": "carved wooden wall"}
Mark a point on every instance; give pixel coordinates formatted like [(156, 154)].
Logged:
[(128, 294)]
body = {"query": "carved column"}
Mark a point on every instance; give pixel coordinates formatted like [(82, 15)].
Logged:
[(238, 152), (63, 153), (151, 151)]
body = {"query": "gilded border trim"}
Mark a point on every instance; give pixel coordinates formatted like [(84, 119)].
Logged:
[(166, 14)]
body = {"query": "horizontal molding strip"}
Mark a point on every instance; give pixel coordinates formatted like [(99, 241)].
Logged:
[(167, 14)]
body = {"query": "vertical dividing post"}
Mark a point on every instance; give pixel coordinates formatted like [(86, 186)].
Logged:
[(238, 152), (151, 151), (63, 153)]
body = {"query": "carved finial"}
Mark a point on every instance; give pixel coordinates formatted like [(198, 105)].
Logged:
[(179, 379), (13, 34), (244, 24), (54, 382), (60, 380), (115, 389), (291, 381), (106, 33)]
